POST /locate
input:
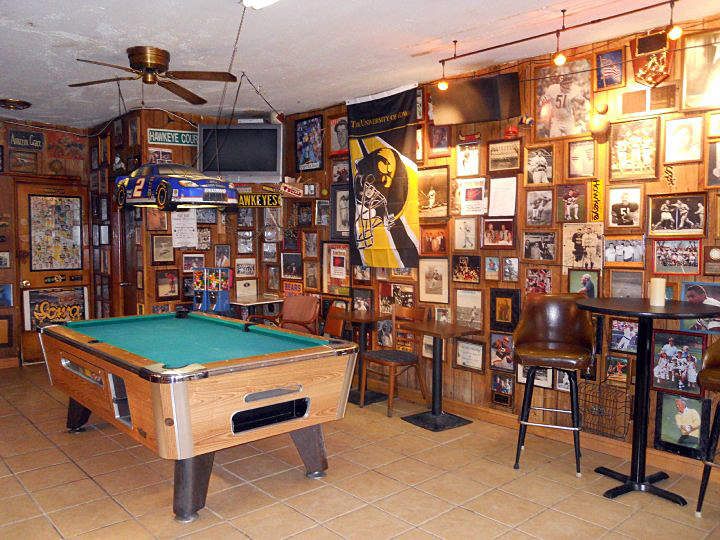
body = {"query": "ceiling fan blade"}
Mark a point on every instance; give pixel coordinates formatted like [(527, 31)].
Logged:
[(220, 76), (101, 81), (184, 93), (124, 68)]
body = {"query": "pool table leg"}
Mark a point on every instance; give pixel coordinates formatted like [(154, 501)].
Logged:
[(192, 476), (77, 416), (310, 445)]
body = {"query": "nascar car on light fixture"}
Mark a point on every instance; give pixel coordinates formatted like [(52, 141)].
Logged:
[(170, 185)]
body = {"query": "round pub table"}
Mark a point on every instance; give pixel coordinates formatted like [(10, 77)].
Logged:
[(646, 314)]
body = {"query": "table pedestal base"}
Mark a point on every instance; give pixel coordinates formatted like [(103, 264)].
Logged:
[(370, 397), (628, 486), (436, 422)]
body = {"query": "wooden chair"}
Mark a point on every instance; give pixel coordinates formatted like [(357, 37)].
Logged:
[(334, 325), (300, 313), (404, 355)]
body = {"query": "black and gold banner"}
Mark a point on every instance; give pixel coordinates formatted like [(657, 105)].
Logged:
[(384, 184)]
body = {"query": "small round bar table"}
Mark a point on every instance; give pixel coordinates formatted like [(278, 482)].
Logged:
[(646, 314)]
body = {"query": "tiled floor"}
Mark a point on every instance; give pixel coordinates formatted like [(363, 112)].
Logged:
[(387, 479)]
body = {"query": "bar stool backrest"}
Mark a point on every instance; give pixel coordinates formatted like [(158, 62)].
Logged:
[(554, 318)]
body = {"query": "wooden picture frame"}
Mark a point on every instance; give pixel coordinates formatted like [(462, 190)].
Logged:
[(439, 141), (467, 160), (246, 217), (502, 387), (630, 249), (677, 250), (272, 277), (338, 135), (665, 378), (622, 335), (505, 157), (310, 242), (246, 244), (311, 275), (543, 376), (540, 246), (469, 308), (465, 237), (624, 208), (711, 261), (336, 268), (572, 203), (498, 233), (674, 210), (361, 275), (609, 70), (291, 266), (162, 251), (684, 140), (309, 144), (193, 261), (434, 240), (469, 355), (434, 282), (539, 165), (434, 192), (466, 268), (626, 283), (539, 207), (504, 309), (502, 352), (627, 165), (666, 437), (581, 158), (576, 284), (510, 269), (167, 284), (340, 226)]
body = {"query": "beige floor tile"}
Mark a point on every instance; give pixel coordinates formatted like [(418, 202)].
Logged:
[(538, 490), (338, 442), (453, 487), (559, 526), (62, 437), (415, 534), (4, 470), (448, 458), (255, 467), (273, 443), (86, 449), (238, 500), (273, 522), (504, 507), (147, 499), (370, 486), (372, 456), (529, 459), (596, 509), (689, 487), (634, 500), (17, 508), (686, 514), (491, 473), (10, 487), (549, 447), (221, 479), (234, 453), (221, 531), (38, 528), (325, 503), (69, 494), (646, 526), (410, 471), (125, 530), (55, 475), (462, 523), (517, 535), (106, 463), (88, 516), (367, 522), (316, 533), (162, 524), (129, 478), (564, 472), (408, 444), (288, 484), (36, 460), (340, 468), (413, 506), (289, 455)]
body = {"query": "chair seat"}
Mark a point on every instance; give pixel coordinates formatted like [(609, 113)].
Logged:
[(709, 379), (553, 355), (392, 356)]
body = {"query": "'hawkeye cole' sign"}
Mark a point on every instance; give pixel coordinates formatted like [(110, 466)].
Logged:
[(172, 137)]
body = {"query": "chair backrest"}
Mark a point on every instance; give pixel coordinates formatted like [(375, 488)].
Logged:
[(334, 324), (554, 318), (405, 339), (301, 313)]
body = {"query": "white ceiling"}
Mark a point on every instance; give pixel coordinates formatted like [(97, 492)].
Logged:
[(305, 54)]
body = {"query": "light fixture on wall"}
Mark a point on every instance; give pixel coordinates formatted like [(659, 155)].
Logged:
[(442, 83), (559, 58), (258, 4), (674, 31)]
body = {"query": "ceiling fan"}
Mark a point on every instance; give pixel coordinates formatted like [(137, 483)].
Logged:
[(151, 65)]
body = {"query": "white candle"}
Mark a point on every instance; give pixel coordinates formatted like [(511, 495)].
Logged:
[(657, 291)]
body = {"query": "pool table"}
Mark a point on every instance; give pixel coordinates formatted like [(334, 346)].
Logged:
[(187, 385)]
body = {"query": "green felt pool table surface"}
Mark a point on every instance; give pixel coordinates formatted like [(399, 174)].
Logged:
[(196, 339)]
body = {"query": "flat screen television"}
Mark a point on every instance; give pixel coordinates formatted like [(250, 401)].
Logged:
[(242, 153)]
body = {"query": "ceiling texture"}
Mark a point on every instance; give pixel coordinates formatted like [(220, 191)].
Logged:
[(304, 54)]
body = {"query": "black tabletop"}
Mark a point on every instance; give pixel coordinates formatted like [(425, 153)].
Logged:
[(640, 307)]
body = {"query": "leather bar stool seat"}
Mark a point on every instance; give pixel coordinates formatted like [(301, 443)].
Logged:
[(709, 380), (556, 355)]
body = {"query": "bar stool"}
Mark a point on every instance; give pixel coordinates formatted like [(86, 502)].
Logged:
[(553, 333), (709, 379)]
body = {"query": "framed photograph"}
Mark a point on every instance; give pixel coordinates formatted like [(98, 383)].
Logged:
[(245, 267), (697, 292), (539, 162), (56, 232), (439, 141), (617, 368), (469, 355), (468, 159), (245, 242), (625, 251), (419, 98), (291, 265), (711, 261), (269, 252), (162, 249), (167, 285), (712, 178), (465, 234), (322, 213), (204, 239), (581, 159), (505, 156), (585, 282), (504, 309), (502, 352), (499, 233), (362, 300), (572, 203), (304, 213), (502, 196), (403, 295), (309, 244), (623, 335), (609, 70), (311, 275), (624, 206), (434, 240), (188, 288), (434, 282), (23, 162), (543, 376), (310, 190), (309, 144), (382, 274), (6, 295), (442, 314), (679, 257), (713, 125), (403, 274), (582, 245), (626, 283), (246, 288), (471, 196), (434, 187), (338, 127), (361, 275), (419, 144), (193, 261), (539, 245), (556, 115), (336, 268), (677, 214), (206, 216), (538, 280), (633, 149), (291, 242), (562, 381), (700, 66), (492, 268), (683, 140), (468, 308), (272, 278), (222, 255), (502, 387), (466, 268), (339, 212), (682, 425), (677, 359), (510, 269), (340, 171), (539, 208)]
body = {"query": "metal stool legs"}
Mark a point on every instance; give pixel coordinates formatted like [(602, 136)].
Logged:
[(575, 412), (709, 460), (525, 413)]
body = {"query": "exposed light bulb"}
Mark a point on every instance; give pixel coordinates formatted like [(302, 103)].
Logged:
[(559, 59), (442, 85), (674, 33)]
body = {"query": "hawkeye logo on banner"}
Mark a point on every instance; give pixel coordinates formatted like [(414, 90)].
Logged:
[(384, 187)]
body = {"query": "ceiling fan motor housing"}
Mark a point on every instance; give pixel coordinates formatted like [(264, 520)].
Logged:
[(152, 59)]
